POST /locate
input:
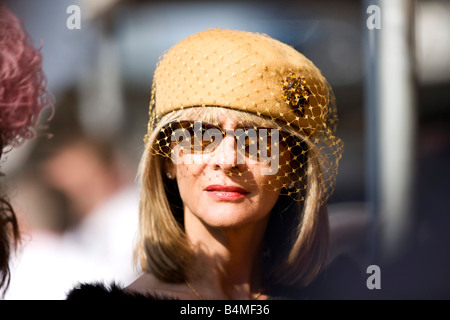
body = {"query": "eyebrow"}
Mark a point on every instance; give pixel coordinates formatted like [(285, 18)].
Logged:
[(244, 126)]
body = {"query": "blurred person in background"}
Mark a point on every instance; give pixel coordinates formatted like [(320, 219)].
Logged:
[(87, 185), (49, 261), (45, 264), (23, 96), (96, 180)]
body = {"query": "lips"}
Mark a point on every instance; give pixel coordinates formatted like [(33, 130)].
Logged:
[(220, 188), (225, 193)]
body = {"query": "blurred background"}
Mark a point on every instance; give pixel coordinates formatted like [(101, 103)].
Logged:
[(76, 194)]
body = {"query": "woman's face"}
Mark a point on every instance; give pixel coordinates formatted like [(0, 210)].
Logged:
[(225, 190)]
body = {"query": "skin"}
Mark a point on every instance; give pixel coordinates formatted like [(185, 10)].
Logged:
[(226, 233)]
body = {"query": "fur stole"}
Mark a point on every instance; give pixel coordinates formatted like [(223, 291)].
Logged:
[(100, 291)]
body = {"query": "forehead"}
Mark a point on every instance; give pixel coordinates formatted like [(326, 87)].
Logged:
[(227, 122), (226, 118)]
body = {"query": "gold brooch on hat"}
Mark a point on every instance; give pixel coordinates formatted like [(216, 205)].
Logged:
[(296, 93)]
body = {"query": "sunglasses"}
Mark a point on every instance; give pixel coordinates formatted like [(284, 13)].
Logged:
[(202, 137)]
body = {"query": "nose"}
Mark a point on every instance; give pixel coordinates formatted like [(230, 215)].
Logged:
[(225, 155)]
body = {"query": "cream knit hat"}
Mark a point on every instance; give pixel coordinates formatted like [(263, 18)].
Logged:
[(243, 71)]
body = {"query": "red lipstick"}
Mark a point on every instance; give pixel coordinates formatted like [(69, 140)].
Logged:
[(226, 192)]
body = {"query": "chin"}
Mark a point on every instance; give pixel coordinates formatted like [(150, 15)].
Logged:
[(230, 217)]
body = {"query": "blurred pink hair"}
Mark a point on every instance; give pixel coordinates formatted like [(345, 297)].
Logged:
[(22, 97), (23, 91)]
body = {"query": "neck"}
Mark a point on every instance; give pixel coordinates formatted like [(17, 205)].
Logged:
[(228, 261)]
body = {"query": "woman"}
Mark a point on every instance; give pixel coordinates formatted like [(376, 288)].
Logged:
[(23, 95), (239, 161)]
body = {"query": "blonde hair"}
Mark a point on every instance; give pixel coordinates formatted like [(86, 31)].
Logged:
[(298, 252)]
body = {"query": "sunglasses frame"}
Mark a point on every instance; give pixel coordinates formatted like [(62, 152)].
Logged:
[(168, 130)]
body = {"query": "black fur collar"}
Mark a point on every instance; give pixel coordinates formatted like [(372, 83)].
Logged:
[(100, 291)]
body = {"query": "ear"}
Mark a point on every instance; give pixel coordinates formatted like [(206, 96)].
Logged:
[(169, 169)]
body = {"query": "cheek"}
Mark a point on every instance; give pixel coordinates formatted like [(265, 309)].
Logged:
[(186, 182), (268, 200), (189, 179), (191, 165), (274, 175)]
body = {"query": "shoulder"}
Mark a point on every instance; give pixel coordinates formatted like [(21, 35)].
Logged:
[(114, 291), (148, 283), (145, 287)]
